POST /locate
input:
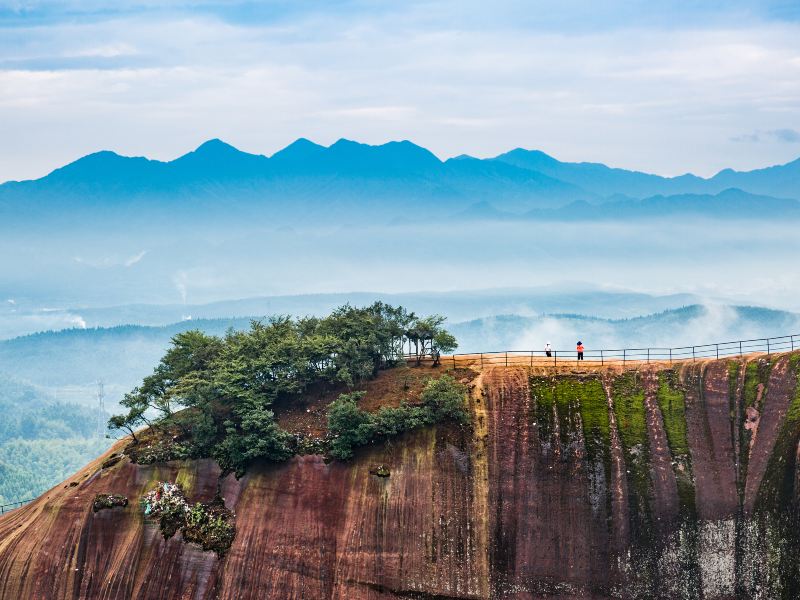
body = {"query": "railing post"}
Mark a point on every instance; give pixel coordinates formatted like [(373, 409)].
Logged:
[(693, 356), (555, 358), (740, 348), (767, 346), (454, 361), (624, 356), (601, 357), (670, 356), (531, 358), (648, 356), (791, 341), (717, 346), (481, 360), (506, 358)]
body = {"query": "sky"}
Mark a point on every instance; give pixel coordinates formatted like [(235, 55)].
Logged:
[(664, 87)]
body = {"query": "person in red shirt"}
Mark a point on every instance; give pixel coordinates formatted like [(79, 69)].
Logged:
[(580, 350)]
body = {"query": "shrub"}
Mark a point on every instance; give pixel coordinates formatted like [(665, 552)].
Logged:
[(102, 501), (210, 525), (444, 398), (166, 504), (348, 425), (255, 434)]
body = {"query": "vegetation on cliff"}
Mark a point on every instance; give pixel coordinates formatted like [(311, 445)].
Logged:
[(228, 386), (350, 426), (211, 525)]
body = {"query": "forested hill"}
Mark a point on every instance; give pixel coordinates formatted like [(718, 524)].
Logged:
[(41, 440)]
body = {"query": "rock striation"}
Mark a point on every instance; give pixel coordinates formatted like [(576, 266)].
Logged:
[(660, 482)]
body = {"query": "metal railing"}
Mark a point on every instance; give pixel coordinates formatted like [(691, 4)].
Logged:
[(786, 343), (6, 508)]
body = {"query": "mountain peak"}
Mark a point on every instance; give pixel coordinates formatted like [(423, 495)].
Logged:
[(396, 155), (98, 166), (216, 156), (528, 156), (300, 150), (215, 147)]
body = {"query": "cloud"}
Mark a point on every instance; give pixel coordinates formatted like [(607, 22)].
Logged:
[(786, 135), (597, 84), (109, 262), (135, 259)]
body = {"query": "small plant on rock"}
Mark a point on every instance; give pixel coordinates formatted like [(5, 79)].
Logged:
[(102, 501), (211, 525)]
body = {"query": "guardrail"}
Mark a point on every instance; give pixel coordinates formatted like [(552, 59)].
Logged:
[(786, 343), (6, 508)]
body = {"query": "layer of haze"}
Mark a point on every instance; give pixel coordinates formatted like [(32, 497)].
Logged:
[(735, 262)]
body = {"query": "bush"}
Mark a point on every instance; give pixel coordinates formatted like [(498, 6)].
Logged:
[(394, 421), (444, 398), (210, 525), (348, 425), (351, 427), (102, 501), (255, 434)]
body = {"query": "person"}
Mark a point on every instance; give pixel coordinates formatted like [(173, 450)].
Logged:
[(580, 350), (548, 351)]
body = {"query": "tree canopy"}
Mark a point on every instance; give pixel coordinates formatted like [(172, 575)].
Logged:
[(229, 383)]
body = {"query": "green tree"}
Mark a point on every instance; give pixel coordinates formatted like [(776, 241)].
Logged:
[(444, 398), (430, 338), (348, 425)]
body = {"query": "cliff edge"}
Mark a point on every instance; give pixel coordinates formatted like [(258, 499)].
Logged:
[(653, 482)]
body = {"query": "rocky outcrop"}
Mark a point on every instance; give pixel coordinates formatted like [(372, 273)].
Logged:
[(652, 483)]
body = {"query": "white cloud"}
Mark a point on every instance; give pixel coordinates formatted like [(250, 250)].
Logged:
[(665, 98), (108, 262)]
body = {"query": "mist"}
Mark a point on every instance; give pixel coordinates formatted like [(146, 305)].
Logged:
[(744, 262)]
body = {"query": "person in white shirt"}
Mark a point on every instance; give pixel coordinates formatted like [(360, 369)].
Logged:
[(548, 351)]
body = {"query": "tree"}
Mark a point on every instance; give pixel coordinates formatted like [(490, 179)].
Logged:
[(349, 425), (230, 383), (444, 398), (430, 338), (129, 422), (252, 434), (180, 375)]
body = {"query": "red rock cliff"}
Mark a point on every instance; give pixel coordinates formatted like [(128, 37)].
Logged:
[(657, 483)]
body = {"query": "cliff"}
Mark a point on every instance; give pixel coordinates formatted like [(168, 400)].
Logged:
[(659, 482)]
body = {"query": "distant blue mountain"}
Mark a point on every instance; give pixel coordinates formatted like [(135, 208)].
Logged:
[(353, 181), (728, 204), (782, 181)]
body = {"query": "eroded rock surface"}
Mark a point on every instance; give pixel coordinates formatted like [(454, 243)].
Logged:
[(656, 483)]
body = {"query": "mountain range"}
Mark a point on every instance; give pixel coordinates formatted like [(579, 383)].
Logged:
[(358, 181)]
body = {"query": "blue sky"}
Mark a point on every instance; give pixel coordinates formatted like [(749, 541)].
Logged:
[(666, 87)]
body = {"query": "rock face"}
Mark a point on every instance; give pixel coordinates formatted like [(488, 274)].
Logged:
[(655, 483)]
